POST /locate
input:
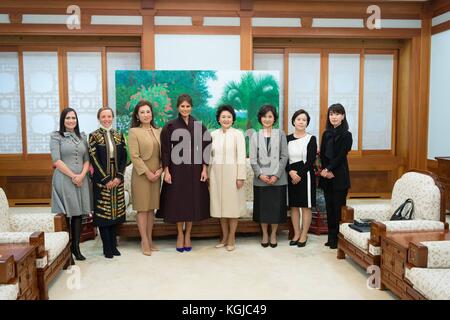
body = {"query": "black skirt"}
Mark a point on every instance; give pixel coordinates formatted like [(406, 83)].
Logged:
[(269, 204), (302, 194)]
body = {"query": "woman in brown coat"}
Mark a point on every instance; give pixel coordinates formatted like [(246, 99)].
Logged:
[(144, 147), (184, 195)]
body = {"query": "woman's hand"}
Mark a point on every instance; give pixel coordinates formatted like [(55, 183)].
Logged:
[(78, 180), (116, 182), (330, 175), (324, 173), (239, 183), (167, 176), (273, 179), (110, 185), (294, 176), (264, 179), (204, 176), (150, 176)]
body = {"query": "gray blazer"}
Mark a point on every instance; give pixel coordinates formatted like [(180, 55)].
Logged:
[(269, 161)]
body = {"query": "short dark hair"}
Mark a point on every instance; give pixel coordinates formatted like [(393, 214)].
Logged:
[(299, 112), (267, 108), (135, 116), (225, 107), (62, 127), (339, 109), (103, 109), (184, 97)]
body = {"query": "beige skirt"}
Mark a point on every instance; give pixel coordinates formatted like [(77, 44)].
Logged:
[(145, 193)]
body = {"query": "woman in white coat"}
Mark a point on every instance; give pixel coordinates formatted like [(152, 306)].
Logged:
[(227, 176)]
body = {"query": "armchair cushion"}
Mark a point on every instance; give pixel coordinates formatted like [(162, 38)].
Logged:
[(32, 222), (379, 212), (9, 291), (434, 284), (416, 225), (424, 192), (55, 242), (15, 237), (359, 239), (4, 212), (438, 254)]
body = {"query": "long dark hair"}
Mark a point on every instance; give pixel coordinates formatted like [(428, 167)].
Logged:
[(339, 109), (135, 116), (62, 127)]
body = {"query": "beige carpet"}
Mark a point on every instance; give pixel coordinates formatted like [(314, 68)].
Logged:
[(249, 272)]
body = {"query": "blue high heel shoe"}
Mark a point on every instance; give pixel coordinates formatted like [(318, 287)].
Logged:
[(187, 249), (180, 249)]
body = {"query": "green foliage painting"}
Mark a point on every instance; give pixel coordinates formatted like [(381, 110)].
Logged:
[(246, 91)]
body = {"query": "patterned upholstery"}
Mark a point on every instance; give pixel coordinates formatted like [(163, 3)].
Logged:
[(15, 237), (434, 284), (4, 212), (416, 225), (21, 226), (32, 222), (424, 192), (380, 212), (55, 242), (438, 254), (427, 201), (359, 239), (9, 291), (131, 214)]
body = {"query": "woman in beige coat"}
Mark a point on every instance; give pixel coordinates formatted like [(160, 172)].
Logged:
[(144, 146), (227, 175)]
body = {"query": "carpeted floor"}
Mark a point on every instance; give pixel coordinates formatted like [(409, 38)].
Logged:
[(249, 272)]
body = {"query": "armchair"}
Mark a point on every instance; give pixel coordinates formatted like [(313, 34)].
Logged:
[(53, 253), (9, 285), (427, 273), (429, 214)]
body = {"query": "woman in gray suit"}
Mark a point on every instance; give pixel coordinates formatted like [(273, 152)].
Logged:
[(268, 157), (70, 184)]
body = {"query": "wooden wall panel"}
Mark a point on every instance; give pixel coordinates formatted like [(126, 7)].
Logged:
[(27, 190), (370, 184)]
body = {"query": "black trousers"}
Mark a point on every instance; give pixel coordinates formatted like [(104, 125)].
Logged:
[(334, 200)]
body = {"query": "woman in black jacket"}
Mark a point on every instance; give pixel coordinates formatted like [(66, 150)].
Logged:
[(336, 142), (108, 155)]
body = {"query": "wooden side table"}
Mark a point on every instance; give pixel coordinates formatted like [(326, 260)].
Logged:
[(394, 256), (25, 268)]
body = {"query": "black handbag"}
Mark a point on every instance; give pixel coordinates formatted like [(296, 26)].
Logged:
[(404, 212)]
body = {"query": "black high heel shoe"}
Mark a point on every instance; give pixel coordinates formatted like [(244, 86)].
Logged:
[(302, 244), (264, 245), (294, 242), (273, 245)]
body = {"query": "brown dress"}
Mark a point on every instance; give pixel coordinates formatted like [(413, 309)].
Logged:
[(187, 198), (144, 147)]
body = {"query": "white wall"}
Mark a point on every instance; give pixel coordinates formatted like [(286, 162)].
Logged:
[(197, 52), (439, 111)]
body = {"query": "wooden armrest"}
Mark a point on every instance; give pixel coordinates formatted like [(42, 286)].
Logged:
[(60, 222), (7, 269), (37, 239), (347, 214), (377, 229), (417, 255)]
